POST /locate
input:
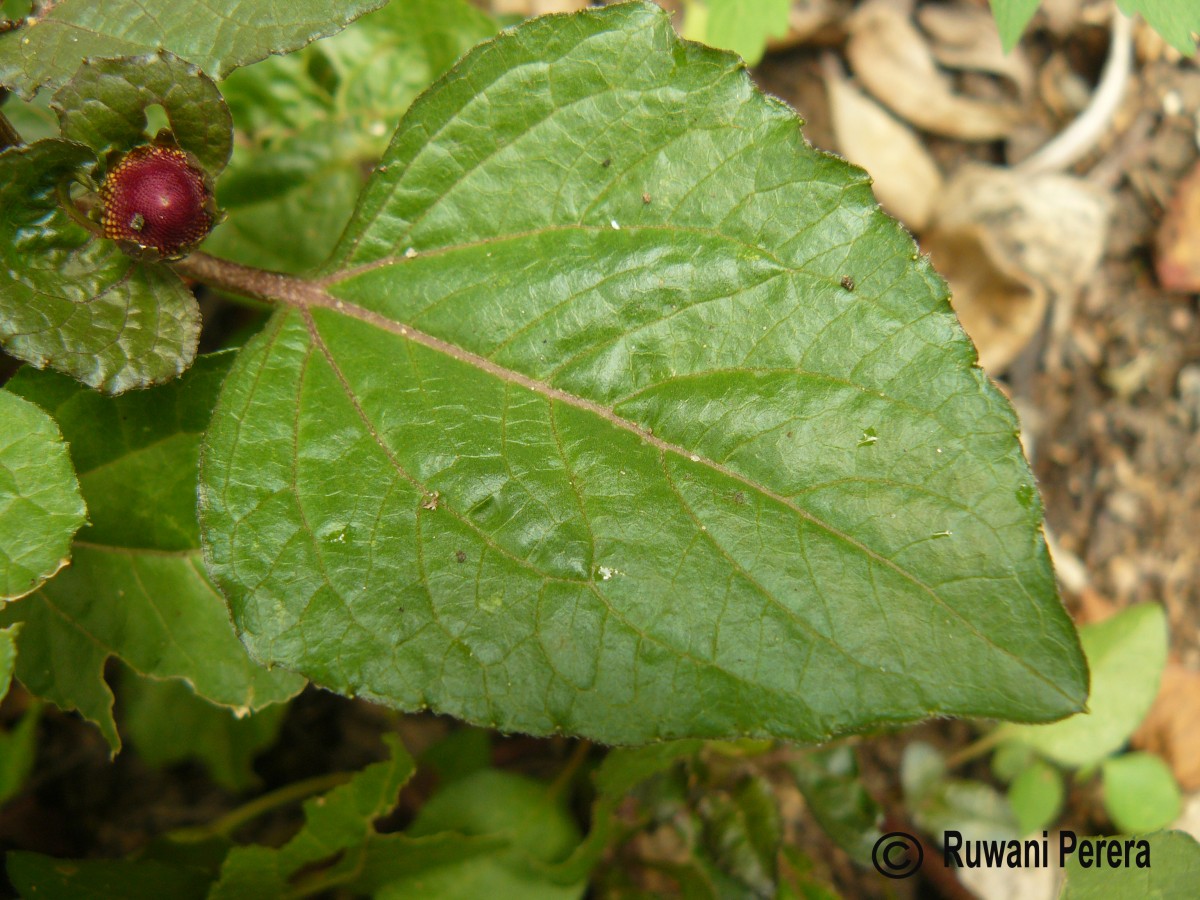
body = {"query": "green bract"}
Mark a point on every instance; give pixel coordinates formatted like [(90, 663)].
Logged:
[(582, 430)]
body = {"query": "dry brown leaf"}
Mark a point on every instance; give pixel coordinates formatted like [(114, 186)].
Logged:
[(1172, 727), (905, 178), (892, 60), (1178, 258), (1007, 243), (965, 37)]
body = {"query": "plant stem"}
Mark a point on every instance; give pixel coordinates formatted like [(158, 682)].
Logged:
[(8, 134), (258, 284), (290, 793), (564, 778), (974, 749)]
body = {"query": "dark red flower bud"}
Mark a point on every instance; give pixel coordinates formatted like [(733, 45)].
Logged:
[(156, 198)]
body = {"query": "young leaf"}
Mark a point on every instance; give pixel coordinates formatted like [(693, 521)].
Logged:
[(1174, 871), (339, 847), (1140, 793), (570, 435), (1126, 654), (1178, 21), (312, 123), (744, 27), (104, 106), (8, 657), (47, 49), (1011, 18), (137, 588), (40, 505), (77, 303)]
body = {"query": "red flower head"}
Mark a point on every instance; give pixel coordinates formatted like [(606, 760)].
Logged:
[(156, 198)]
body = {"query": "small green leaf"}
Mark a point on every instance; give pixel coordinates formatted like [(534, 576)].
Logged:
[(1011, 18), (836, 797), (313, 123), (1174, 871), (1140, 793), (137, 588), (76, 302), (167, 723), (743, 834), (1178, 21), (535, 827), (47, 50), (40, 505), (104, 106), (339, 847), (567, 437), (1126, 654), (937, 803), (8, 657), (743, 26), (1036, 796)]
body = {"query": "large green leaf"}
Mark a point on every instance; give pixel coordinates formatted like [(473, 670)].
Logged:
[(48, 48), (40, 505), (75, 302), (137, 587), (313, 123), (622, 411)]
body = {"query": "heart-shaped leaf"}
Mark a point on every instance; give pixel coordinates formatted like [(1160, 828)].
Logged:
[(622, 411)]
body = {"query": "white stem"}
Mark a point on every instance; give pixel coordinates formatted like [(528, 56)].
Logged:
[(1080, 137)]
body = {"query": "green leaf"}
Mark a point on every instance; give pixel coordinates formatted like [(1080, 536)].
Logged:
[(743, 834), (40, 505), (836, 797), (47, 52), (313, 123), (1011, 18), (1140, 792), (1127, 654), (938, 804), (75, 302), (531, 820), (1178, 21), (568, 437), (339, 847), (104, 106), (167, 723), (8, 657), (744, 27), (1036, 796), (137, 588), (1174, 871)]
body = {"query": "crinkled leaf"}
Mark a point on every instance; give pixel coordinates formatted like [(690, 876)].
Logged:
[(838, 800), (570, 437), (1174, 871), (47, 51), (75, 302), (137, 588), (40, 505), (1140, 793), (168, 723), (339, 847), (536, 829), (314, 122), (1126, 654), (104, 106)]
